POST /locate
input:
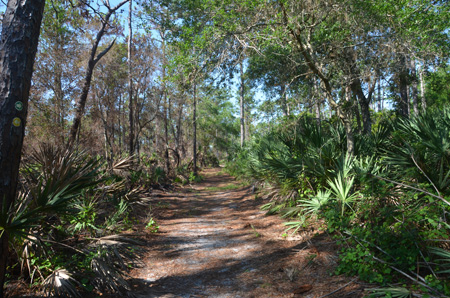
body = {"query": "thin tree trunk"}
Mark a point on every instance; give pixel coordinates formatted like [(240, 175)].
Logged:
[(422, 89), (283, 99), (93, 60), (247, 127), (120, 122), (305, 50), (317, 111), (179, 134), (157, 127), (241, 101), (130, 80), (19, 40), (195, 129), (166, 102), (317, 101), (166, 132), (403, 88), (379, 94), (59, 98), (414, 97)]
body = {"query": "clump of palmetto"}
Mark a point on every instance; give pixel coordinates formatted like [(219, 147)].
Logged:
[(388, 203), (67, 221)]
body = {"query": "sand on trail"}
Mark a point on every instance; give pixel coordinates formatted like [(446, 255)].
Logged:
[(214, 241)]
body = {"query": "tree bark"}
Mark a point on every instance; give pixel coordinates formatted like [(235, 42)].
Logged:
[(350, 98), (364, 104), (120, 123), (93, 60), (130, 81), (402, 107), (166, 101), (195, 129), (414, 97), (317, 102), (422, 89), (241, 104), (380, 106), (18, 46), (166, 130), (283, 99), (357, 89)]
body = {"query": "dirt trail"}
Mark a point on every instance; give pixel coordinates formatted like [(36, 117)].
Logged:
[(215, 242)]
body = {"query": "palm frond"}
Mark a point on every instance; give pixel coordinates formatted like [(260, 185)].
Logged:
[(107, 277), (313, 205), (392, 292), (60, 284), (444, 260), (295, 225)]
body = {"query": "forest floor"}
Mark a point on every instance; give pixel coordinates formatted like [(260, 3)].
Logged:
[(214, 241)]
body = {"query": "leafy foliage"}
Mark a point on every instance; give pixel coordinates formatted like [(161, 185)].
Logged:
[(384, 204), (65, 225)]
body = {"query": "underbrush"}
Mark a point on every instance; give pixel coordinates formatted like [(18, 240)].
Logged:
[(387, 205), (70, 227)]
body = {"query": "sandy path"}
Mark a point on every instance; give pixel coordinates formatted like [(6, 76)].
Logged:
[(215, 242)]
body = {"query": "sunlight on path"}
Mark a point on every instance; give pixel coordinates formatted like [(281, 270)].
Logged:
[(216, 243)]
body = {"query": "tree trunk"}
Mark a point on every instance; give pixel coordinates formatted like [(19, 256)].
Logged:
[(247, 127), (195, 129), (19, 40), (120, 123), (241, 105), (305, 49), (317, 103), (166, 131), (356, 87), (402, 107), (283, 99), (93, 60), (350, 98), (414, 97), (166, 103), (422, 89), (130, 81), (380, 106), (59, 104), (364, 104)]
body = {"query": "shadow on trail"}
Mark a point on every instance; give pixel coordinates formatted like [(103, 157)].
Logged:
[(214, 241), (222, 276)]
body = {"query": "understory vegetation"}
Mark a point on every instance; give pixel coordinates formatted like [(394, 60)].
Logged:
[(73, 225), (338, 110), (387, 205)]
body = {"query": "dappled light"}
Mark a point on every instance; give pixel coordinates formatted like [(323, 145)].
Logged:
[(224, 148)]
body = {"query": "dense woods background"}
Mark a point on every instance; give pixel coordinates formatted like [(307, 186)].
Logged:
[(337, 110)]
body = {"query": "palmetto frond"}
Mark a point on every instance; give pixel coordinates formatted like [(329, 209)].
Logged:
[(392, 292), (444, 256), (114, 254), (60, 284), (313, 205), (58, 175), (421, 149)]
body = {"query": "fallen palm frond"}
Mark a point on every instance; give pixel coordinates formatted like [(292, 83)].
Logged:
[(60, 284), (107, 277), (122, 165)]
